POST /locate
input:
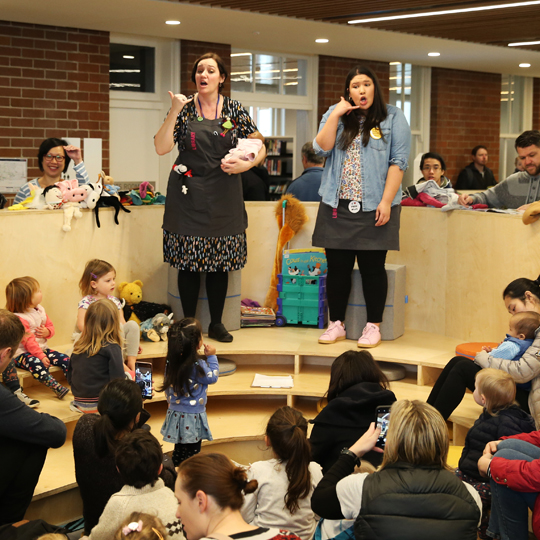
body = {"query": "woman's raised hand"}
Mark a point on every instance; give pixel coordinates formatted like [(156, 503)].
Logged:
[(178, 101), (344, 107), (367, 441)]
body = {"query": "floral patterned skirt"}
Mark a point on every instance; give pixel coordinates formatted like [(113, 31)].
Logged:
[(205, 254)]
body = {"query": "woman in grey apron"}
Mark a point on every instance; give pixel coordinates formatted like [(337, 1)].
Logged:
[(367, 145), (205, 218)]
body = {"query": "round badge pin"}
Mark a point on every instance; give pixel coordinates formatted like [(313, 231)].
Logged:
[(375, 133), (200, 118), (354, 207)]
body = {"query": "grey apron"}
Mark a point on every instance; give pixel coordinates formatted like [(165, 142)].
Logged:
[(204, 200)]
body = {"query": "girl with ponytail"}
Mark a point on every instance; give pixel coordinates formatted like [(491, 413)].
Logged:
[(187, 376), (210, 490), (286, 482)]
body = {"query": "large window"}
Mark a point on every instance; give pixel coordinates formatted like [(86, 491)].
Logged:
[(132, 68), (516, 114), (268, 74)]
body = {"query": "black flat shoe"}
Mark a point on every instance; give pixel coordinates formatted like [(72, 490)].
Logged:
[(219, 333)]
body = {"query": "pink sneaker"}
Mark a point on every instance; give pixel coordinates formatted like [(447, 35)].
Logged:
[(334, 332), (371, 336)]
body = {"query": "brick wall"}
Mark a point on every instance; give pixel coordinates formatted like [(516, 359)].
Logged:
[(536, 104), (333, 73), (465, 112), (54, 82), (190, 51)]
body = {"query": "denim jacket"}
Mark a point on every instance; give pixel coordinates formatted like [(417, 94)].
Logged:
[(375, 160)]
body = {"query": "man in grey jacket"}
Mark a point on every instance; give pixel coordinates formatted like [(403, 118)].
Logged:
[(25, 434), (519, 189)]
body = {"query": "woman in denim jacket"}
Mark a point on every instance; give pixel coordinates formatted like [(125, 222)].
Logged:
[(367, 145)]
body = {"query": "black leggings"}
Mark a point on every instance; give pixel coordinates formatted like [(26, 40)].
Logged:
[(374, 281), (216, 288), (183, 451), (456, 377)]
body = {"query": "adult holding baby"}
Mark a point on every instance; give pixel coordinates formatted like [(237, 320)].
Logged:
[(205, 218)]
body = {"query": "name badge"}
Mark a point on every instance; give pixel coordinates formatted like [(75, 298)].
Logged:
[(354, 207), (375, 133)]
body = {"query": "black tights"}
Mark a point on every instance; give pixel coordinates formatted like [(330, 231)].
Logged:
[(374, 281), (216, 288), (183, 451), (456, 377)]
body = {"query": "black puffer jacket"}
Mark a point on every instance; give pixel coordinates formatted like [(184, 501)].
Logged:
[(487, 428), (344, 420)]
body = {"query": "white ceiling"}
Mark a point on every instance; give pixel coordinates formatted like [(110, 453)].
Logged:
[(268, 33)]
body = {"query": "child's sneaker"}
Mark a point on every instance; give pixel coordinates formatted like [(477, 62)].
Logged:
[(334, 332), (371, 336), (32, 403), (61, 391)]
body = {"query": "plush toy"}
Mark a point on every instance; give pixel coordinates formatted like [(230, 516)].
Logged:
[(246, 150), (107, 200), (35, 201), (135, 308), (71, 192), (94, 193), (53, 197), (156, 328)]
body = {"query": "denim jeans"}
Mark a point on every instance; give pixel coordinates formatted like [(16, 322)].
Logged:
[(509, 508)]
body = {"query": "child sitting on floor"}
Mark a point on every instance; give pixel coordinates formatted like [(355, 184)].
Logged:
[(495, 391), (286, 482), (139, 460)]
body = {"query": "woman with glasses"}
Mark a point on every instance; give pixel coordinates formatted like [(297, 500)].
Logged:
[(54, 157)]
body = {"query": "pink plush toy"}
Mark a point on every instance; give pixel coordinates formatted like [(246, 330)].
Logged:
[(246, 149), (71, 192)]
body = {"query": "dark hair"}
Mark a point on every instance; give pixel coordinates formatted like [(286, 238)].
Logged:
[(220, 64), (44, 148), (287, 433), (183, 341), (353, 367), (528, 138), (310, 155), (518, 288), (374, 115), (11, 330), (119, 404), (433, 155), (474, 151), (218, 476), (139, 458)]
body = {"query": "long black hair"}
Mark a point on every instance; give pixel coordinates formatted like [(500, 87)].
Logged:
[(119, 404), (374, 115), (183, 342), (518, 288)]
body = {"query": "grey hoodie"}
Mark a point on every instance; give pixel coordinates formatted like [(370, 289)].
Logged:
[(518, 189)]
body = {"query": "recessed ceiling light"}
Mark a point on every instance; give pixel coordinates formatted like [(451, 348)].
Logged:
[(128, 57), (395, 63), (434, 54), (523, 43), (446, 12), (321, 40), (524, 65), (172, 23)]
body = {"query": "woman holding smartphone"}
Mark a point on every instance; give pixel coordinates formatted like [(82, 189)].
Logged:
[(367, 144), (413, 495)]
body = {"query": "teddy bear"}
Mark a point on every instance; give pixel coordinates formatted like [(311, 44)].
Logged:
[(156, 328), (135, 308)]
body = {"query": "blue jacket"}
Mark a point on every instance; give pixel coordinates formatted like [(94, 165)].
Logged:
[(195, 402), (306, 186), (375, 160)]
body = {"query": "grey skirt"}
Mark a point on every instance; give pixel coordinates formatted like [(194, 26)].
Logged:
[(355, 231)]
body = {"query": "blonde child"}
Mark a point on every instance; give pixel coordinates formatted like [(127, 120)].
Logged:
[(286, 482), (186, 381), (97, 356), (495, 391), (140, 526), (98, 282), (24, 298)]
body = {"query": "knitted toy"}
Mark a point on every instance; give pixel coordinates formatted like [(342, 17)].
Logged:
[(156, 328), (295, 217)]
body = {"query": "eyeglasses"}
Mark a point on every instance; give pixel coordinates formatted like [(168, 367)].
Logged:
[(50, 157), (431, 167)]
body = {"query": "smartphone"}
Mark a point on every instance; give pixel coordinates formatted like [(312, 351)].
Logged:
[(143, 377), (383, 419)]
